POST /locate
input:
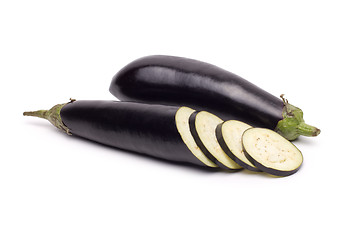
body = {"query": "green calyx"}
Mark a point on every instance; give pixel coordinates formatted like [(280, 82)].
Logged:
[(52, 115), (293, 125)]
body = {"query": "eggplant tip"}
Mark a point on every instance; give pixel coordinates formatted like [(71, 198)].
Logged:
[(316, 132)]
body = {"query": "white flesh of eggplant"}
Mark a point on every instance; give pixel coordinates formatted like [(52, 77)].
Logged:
[(205, 125), (182, 123), (271, 152), (232, 132)]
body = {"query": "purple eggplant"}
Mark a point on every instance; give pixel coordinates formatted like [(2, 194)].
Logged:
[(156, 130), (186, 82)]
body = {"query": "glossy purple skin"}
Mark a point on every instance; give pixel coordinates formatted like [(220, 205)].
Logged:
[(143, 128), (202, 86)]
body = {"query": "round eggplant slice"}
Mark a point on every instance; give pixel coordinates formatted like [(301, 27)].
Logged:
[(182, 123), (229, 135), (270, 152), (203, 126)]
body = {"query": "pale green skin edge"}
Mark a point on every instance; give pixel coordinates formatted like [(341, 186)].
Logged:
[(290, 127), (293, 125)]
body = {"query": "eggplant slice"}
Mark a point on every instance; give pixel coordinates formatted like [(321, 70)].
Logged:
[(229, 135), (270, 152), (182, 124), (203, 127)]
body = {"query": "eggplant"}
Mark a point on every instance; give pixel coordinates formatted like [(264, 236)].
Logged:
[(186, 82), (270, 152), (156, 130), (229, 135), (202, 126)]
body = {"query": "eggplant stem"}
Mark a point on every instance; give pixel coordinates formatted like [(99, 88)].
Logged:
[(52, 115), (308, 130), (293, 125), (39, 113)]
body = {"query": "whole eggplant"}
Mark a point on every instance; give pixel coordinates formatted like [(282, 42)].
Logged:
[(142, 128), (186, 82)]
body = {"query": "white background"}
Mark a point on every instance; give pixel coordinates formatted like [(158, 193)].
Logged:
[(53, 186)]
